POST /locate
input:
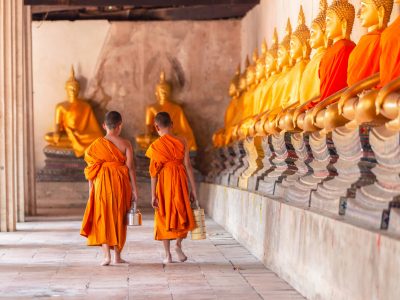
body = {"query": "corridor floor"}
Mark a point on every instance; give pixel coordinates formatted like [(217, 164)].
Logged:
[(47, 259)]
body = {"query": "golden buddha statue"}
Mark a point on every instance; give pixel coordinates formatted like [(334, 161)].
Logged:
[(333, 67), (76, 126), (272, 74), (281, 90), (387, 103), (310, 82), (180, 123), (299, 53), (364, 74)]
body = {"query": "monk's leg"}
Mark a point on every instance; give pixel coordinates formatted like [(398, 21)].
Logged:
[(107, 255), (178, 248), (117, 257), (168, 257)]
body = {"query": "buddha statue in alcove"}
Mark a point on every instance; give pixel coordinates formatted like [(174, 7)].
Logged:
[(164, 103), (76, 126)]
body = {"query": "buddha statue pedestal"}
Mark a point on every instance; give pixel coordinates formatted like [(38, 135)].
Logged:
[(283, 161), (217, 165), (61, 165), (372, 202), (240, 163), (230, 161), (266, 155), (254, 156)]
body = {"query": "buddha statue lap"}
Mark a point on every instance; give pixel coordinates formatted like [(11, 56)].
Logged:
[(180, 122), (76, 126)]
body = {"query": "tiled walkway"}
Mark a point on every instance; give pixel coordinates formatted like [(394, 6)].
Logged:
[(47, 259)]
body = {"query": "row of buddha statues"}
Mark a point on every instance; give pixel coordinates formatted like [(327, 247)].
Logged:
[(76, 126), (320, 131)]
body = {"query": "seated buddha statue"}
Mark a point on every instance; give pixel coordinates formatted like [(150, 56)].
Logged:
[(180, 123), (363, 74), (333, 67), (387, 105), (299, 54), (281, 90), (76, 126), (310, 83)]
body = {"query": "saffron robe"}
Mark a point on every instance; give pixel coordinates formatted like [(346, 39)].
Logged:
[(364, 59), (265, 103), (295, 75), (310, 83), (174, 217), (333, 68), (390, 57), (81, 126), (104, 221)]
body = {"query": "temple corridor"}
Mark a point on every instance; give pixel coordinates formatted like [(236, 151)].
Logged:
[(46, 258)]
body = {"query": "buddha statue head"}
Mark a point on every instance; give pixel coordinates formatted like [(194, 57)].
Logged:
[(163, 89), (72, 86), (318, 37), (234, 84), (272, 55), (260, 63), (299, 41), (283, 59), (251, 70), (375, 14), (339, 20)]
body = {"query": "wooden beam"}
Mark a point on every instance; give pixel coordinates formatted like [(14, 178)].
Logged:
[(140, 3)]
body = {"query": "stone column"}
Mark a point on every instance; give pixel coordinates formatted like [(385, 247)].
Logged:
[(16, 121)]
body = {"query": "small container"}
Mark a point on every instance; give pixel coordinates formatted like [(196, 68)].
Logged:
[(134, 217)]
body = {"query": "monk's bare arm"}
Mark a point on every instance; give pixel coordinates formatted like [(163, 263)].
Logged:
[(154, 199), (90, 185), (189, 171), (130, 163)]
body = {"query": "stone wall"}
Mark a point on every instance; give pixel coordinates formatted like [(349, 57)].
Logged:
[(119, 64), (321, 256), (259, 23)]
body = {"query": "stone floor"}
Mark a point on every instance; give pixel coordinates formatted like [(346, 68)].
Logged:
[(47, 259)]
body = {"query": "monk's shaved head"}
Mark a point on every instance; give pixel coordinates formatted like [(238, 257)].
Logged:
[(113, 119), (163, 119)]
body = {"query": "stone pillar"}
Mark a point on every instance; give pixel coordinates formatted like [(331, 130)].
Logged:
[(17, 189)]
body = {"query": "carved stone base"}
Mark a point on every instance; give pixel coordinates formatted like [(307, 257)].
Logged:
[(394, 220), (371, 202), (240, 164), (254, 156), (61, 165), (266, 164)]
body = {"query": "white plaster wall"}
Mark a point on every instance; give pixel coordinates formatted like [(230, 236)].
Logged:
[(259, 23), (56, 46)]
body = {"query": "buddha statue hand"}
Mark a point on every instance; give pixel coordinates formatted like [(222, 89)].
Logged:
[(391, 87), (56, 137)]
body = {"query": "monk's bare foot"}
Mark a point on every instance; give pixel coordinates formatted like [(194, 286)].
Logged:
[(105, 262), (167, 260), (120, 261), (181, 256)]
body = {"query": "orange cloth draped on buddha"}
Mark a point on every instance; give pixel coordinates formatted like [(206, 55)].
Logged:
[(174, 217), (104, 221), (81, 126), (364, 59), (390, 57), (333, 68)]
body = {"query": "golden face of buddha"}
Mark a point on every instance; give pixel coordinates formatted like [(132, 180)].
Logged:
[(333, 26), (270, 63), (250, 76), (283, 57), (242, 82), (317, 36), (260, 70), (296, 49), (368, 14), (232, 89), (72, 90)]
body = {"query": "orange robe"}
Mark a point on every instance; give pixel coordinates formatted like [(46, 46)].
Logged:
[(390, 57), (364, 59), (333, 68), (104, 221), (174, 217)]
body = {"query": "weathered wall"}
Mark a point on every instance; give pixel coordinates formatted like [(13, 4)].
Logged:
[(121, 62), (323, 257), (260, 21)]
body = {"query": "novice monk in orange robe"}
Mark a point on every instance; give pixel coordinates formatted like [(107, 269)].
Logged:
[(170, 170), (112, 183)]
